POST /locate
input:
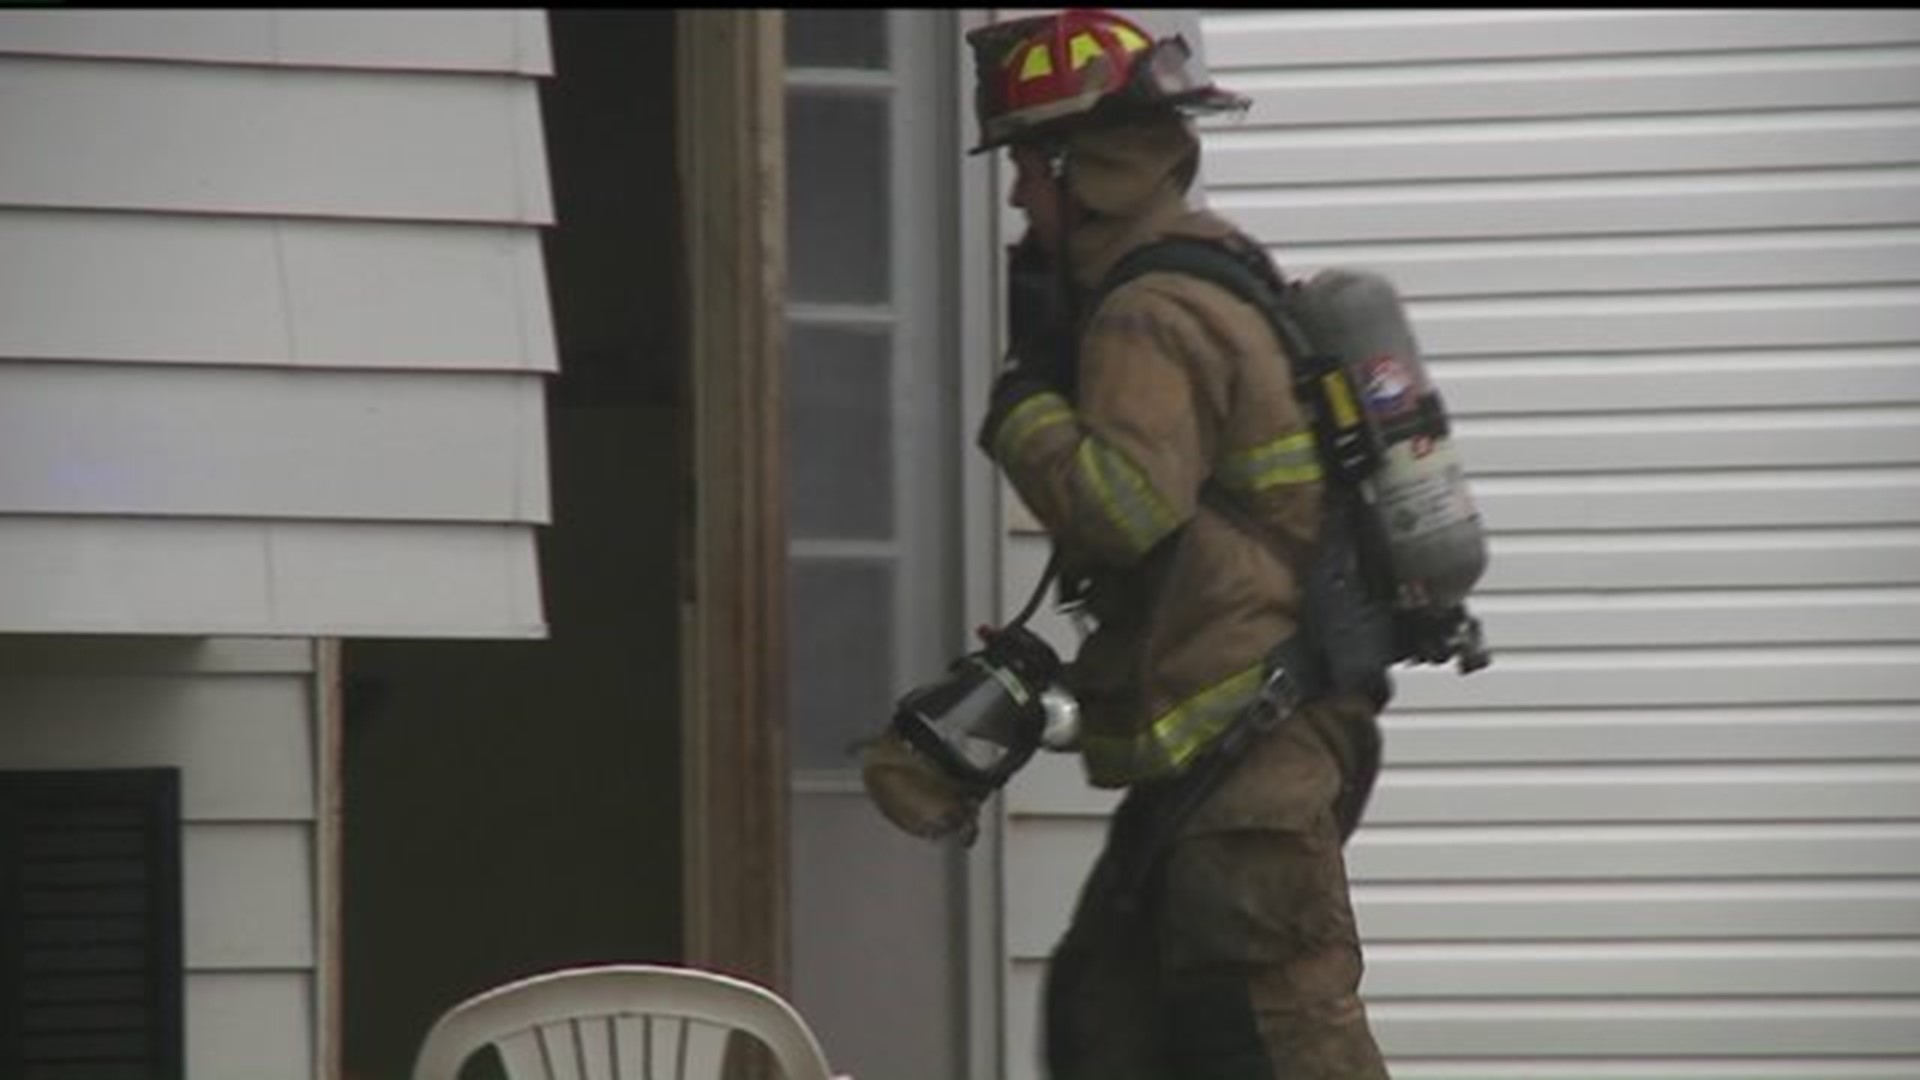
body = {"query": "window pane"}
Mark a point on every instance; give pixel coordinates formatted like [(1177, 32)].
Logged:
[(839, 655), (837, 184), (826, 38), (839, 434)]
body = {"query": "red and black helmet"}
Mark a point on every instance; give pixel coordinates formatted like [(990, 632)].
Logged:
[(1035, 76)]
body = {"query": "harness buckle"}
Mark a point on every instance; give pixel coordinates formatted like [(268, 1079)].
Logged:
[(1280, 696)]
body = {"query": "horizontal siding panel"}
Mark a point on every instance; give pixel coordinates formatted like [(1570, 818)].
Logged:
[(1759, 318), (240, 140), (1754, 379), (1538, 868), (200, 577), (1573, 1032), (1783, 199), (475, 40), (1703, 560), (1730, 499), (1284, 40), (1549, 148), (1802, 438), (1655, 1067), (1635, 911), (1756, 733), (250, 1024), (1053, 784), (1050, 855), (1576, 794), (1670, 676), (1616, 912), (243, 743), (213, 442), (1609, 265), (1697, 852), (1447, 909), (1773, 745), (1746, 617), (249, 896), (102, 286), (1562, 87), (1746, 969), (1680, 1027)]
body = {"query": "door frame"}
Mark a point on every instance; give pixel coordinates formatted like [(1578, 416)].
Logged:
[(730, 147)]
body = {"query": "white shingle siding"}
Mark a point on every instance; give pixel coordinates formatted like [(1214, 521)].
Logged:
[(274, 289), (274, 335), (1666, 266), (239, 720)]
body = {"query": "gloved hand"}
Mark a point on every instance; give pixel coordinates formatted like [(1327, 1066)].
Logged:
[(914, 794), (1014, 386), (1039, 328)]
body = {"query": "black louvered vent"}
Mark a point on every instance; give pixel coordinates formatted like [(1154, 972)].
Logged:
[(90, 978)]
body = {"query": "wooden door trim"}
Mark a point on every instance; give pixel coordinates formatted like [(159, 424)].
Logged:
[(730, 116)]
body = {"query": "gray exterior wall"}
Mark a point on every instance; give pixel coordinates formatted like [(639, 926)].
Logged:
[(273, 322), (243, 723), (274, 336), (1663, 265)]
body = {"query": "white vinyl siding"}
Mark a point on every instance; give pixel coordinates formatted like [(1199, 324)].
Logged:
[(1666, 268), (419, 40), (275, 312), (282, 293), (239, 719)]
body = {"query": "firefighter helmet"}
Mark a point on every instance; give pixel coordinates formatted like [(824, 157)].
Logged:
[(1035, 76)]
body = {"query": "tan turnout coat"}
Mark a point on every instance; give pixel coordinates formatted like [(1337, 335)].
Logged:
[(1180, 384)]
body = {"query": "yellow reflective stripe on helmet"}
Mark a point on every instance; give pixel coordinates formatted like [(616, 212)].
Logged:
[(1037, 65), (1081, 49), (1129, 40), (1290, 459), (1038, 412), (1124, 494), (1174, 737)]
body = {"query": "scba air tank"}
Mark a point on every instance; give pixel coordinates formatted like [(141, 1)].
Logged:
[(1417, 486)]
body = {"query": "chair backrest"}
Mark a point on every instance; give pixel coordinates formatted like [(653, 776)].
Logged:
[(619, 1022)]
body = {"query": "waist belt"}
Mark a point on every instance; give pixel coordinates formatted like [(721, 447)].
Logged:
[(1156, 810)]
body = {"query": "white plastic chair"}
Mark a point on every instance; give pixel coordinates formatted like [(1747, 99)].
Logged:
[(619, 1022)]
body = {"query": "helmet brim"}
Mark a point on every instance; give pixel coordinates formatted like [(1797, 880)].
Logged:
[(1114, 108)]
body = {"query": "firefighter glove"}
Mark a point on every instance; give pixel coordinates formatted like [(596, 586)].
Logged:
[(1039, 328)]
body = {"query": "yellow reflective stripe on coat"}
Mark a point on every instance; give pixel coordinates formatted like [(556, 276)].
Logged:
[(1175, 737), (1290, 459), (1034, 414), (1124, 495)]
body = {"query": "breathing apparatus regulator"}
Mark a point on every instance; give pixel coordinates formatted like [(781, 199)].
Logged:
[(995, 706)]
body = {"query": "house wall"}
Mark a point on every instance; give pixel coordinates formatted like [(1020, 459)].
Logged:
[(241, 721), (1663, 266), (273, 322), (274, 340)]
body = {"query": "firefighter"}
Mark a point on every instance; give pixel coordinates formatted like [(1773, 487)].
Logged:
[(1154, 431), (1219, 943)]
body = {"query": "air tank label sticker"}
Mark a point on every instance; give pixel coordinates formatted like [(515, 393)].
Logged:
[(1422, 494), (1388, 385)]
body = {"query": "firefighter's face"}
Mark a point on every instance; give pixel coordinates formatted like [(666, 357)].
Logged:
[(1037, 195)]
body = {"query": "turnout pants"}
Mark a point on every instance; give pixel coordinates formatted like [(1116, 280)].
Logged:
[(1223, 948)]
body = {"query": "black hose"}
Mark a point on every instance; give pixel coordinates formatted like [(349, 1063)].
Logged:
[(1039, 590)]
